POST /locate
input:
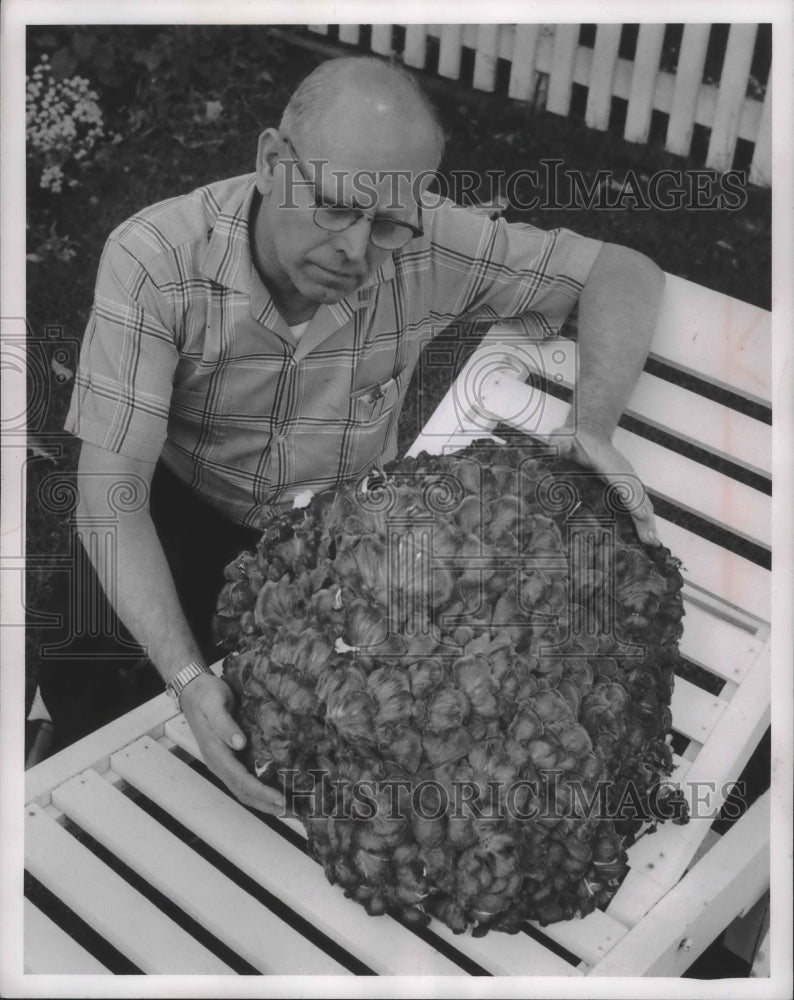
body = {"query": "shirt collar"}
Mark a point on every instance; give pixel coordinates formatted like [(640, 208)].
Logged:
[(227, 259)]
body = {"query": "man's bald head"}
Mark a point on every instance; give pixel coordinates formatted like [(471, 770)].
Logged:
[(371, 96)]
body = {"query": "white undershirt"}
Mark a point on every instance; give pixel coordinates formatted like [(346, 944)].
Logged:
[(299, 329)]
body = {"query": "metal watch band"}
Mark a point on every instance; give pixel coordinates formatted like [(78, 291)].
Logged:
[(183, 677)]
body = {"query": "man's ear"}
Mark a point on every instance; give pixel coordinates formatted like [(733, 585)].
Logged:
[(267, 157)]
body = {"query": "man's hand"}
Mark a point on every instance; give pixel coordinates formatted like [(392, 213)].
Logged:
[(207, 702), (590, 446)]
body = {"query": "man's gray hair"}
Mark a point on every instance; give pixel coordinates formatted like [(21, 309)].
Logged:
[(316, 94)]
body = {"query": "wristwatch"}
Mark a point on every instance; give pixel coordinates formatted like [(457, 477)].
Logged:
[(183, 677)]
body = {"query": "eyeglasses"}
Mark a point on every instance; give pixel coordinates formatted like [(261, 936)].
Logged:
[(385, 233)]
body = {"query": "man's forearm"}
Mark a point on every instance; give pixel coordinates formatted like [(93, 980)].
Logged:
[(617, 315), (140, 586)]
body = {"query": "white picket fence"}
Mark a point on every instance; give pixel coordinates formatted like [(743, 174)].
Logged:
[(547, 59)]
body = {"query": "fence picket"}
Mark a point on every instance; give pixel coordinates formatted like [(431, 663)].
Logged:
[(450, 50), (522, 67), (643, 82), (761, 168), (485, 59), (688, 77), (415, 50), (381, 39), (733, 87), (546, 60), (349, 33), (566, 42), (602, 75)]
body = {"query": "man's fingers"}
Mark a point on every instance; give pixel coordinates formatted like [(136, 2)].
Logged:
[(206, 705), (244, 786), (638, 505), (645, 522), (601, 456)]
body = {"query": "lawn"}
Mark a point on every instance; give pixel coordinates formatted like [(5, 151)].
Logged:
[(184, 106)]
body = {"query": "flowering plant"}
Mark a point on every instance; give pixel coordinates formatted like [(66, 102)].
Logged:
[(64, 124)]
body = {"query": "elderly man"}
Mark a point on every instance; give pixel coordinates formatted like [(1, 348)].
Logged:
[(255, 338)]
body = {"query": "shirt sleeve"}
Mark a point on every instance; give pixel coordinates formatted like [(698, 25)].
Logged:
[(122, 392), (488, 269)]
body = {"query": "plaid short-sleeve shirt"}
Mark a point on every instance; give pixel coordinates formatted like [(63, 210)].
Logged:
[(185, 356)]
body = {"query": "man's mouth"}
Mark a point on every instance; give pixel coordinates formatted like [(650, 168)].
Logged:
[(340, 275)]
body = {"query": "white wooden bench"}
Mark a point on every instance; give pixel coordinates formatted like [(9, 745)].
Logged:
[(130, 806)]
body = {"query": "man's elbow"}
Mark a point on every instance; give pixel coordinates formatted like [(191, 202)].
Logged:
[(110, 485), (634, 268)]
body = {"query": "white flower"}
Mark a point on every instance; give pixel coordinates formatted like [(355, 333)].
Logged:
[(64, 122)]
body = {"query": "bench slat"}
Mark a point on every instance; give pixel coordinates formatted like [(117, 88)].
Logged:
[(716, 645), (735, 871), (508, 954), (589, 938), (211, 898), (94, 750), (733, 579), (695, 711), (700, 421), (689, 416), (298, 881), (715, 338), (682, 481), (661, 859), (727, 503), (50, 951), (124, 917)]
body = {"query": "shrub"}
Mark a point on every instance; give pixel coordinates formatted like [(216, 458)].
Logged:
[(64, 125)]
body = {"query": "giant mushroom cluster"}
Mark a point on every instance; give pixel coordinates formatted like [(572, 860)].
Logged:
[(461, 673)]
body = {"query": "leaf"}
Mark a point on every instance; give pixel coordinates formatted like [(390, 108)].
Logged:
[(104, 56), (109, 77), (213, 110), (34, 258), (83, 45), (63, 64), (150, 58), (46, 41)]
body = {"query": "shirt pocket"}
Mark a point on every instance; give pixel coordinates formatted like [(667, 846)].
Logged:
[(372, 422)]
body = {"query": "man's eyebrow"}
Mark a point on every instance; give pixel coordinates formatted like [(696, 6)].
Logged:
[(333, 202)]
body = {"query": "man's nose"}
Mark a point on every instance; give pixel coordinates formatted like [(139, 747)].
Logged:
[(354, 241)]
